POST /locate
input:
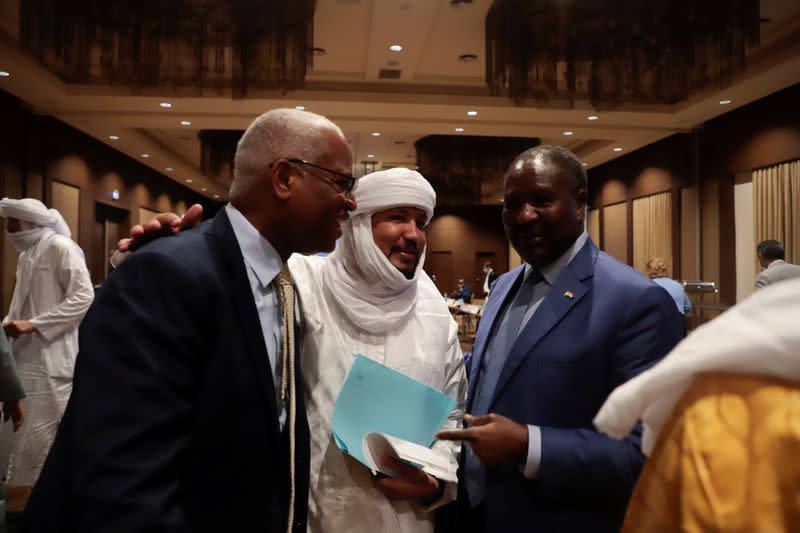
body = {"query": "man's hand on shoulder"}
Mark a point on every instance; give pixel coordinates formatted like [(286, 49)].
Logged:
[(161, 225)]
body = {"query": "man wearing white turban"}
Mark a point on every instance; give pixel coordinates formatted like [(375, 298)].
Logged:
[(371, 296), (52, 294)]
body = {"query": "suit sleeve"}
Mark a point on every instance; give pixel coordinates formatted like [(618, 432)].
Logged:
[(586, 458), (141, 348), (761, 281)]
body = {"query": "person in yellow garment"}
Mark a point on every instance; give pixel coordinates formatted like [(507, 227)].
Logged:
[(720, 423)]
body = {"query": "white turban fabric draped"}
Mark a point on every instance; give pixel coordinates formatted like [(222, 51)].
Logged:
[(38, 222), (372, 292)]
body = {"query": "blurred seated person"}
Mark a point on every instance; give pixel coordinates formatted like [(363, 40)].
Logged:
[(657, 271), (774, 268), (463, 292), (719, 423)]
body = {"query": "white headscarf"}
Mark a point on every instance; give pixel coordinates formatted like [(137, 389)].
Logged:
[(35, 219), (371, 292), (38, 223)]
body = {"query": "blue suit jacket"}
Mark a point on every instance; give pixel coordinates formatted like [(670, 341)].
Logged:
[(173, 423), (572, 353)]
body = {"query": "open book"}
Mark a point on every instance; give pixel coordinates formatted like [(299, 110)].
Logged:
[(381, 412), (378, 446)]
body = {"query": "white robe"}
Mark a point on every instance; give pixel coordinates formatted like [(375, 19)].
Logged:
[(60, 293), (425, 347)]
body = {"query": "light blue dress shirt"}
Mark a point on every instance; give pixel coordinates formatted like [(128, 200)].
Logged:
[(675, 290), (263, 264), (550, 274)]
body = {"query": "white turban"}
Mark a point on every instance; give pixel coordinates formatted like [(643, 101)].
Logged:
[(394, 188), (370, 290), (35, 212)]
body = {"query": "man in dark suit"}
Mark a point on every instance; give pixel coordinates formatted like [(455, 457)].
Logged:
[(182, 408), (558, 334)]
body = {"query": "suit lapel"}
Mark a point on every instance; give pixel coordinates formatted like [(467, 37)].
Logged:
[(224, 240), (505, 287), (567, 292)]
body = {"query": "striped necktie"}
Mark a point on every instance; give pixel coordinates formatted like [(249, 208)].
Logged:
[(288, 381)]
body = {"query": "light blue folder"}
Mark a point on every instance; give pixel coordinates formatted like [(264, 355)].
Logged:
[(377, 399)]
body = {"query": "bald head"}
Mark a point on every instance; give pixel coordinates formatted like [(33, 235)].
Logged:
[(280, 133)]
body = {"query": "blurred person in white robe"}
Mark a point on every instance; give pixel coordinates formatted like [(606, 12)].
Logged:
[(52, 293), (370, 297)]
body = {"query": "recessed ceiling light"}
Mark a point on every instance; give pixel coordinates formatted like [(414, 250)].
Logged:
[(376, 134), (724, 102), (617, 149), (584, 164), (300, 107), (114, 137), (4, 74), (569, 133), (165, 104), (468, 58), (395, 48), (188, 180), (370, 155), (472, 113), (168, 169), (592, 117), (185, 123), (204, 189), (459, 129), (145, 156), (317, 52), (216, 196)]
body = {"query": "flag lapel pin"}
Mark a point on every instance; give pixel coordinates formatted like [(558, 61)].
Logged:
[(568, 295)]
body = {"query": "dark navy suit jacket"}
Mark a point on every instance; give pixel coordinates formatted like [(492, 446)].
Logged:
[(173, 421), (601, 324)]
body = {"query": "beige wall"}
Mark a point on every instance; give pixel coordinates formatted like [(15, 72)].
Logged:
[(593, 225), (745, 240), (67, 201), (615, 231), (690, 234)]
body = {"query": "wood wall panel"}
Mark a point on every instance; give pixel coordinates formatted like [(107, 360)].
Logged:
[(615, 231), (690, 234)]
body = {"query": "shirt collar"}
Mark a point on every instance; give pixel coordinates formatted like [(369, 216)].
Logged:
[(258, 253), (554, 269)]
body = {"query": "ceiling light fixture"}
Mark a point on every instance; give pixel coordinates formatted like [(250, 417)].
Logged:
[(459, 130), (395, 48), (216, 196), (300, 107), (318, 52), (592, 117), (204, 189), (724, 102), (168, 169), (145, 156), (188, 180), (376, 134), (370, 155), (185, 123), (114, 137), (165, 105), (569, 133), (617, 149), (472, 113), (4, 74)]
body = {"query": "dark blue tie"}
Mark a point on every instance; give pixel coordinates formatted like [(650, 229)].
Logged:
[(492, 363)]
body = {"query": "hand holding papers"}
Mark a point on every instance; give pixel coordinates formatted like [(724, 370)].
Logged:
[(404, 413)]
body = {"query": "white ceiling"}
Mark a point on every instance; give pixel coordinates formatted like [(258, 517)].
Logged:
[(432, 96)]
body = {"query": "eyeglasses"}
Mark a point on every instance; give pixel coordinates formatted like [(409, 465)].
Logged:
[(345, 188)]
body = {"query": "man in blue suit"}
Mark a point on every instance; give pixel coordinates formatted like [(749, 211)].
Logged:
[(558, 334), (181, 414)]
